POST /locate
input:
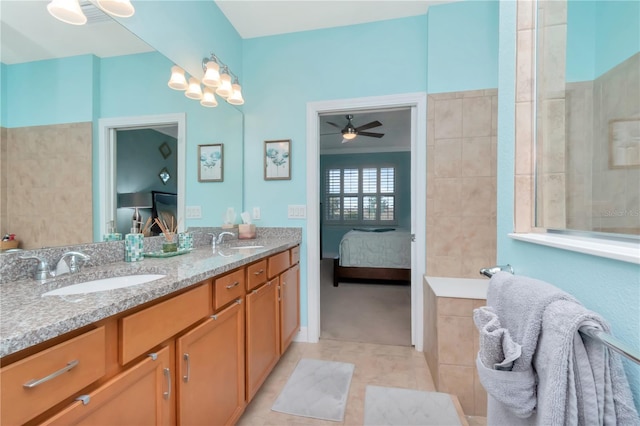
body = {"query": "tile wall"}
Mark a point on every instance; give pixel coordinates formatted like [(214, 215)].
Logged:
[(450, 346), (461, 182), (48, 178)]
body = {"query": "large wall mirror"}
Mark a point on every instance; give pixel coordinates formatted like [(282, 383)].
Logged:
[(588, 116), (53, 99)]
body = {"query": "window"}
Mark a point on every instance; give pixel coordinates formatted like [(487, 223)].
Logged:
[(365, 195)]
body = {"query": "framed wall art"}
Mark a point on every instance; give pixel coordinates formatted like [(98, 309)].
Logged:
[(277, 160), (210, 163)]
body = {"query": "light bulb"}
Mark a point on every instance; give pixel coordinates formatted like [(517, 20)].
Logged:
[(225, 88), (120, 8), (67, 11), (236, 95), (194, 91), (177, 80), (212, 74), (349, 135), (208, 98)]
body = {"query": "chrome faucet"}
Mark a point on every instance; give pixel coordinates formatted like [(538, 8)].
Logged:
[(488, 272), (75, 259), (44, 271), (216, 240)]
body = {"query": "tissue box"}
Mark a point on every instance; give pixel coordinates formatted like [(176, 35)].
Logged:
[(246, 231)]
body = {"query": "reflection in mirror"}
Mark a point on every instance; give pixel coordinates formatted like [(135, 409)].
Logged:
[(588, 116), (53, 102)]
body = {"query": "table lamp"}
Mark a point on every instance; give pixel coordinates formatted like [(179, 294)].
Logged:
[(135, 200)]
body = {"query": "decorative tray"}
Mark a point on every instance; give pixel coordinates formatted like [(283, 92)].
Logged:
[(167, 254)]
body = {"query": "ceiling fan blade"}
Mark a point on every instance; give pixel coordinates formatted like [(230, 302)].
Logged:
[(347, 140), (335, 125), (369, 126), (371, 135)]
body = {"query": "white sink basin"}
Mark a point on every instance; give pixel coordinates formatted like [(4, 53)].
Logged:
[(104, 284), (245, 247)]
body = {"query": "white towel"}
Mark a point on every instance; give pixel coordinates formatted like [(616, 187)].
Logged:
[(569, 381)]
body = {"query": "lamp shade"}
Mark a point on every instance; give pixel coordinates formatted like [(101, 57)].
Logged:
[(120, 8), (236, 95), (67, 11), (349, 134), (212, 74), (177, 81), (194, 91), (208, 98), (140, 200), (225, 88)]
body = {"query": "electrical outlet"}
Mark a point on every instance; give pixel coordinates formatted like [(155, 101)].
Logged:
[(297, 212), (256, 213), (194, 212)]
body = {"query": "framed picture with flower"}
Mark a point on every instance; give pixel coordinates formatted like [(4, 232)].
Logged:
[(210, 163), (277, 160)]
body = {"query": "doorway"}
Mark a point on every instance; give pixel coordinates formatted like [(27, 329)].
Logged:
[(417, 104)]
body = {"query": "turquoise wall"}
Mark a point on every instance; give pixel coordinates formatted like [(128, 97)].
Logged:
[(581, 33), (463, 46), (3, 95), (49, 92), (331, 235), (609, 287)]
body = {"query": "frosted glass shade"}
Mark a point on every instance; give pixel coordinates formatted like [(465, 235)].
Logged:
[(177, 81), (212, 75), (194, 91), (208, 98), (236, 95), (67, 11), (120, 8), (349, 135), (225, 88)]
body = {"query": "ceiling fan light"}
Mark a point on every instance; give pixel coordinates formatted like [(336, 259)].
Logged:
[(194, 91), (212, 74), (349, 135), (177, 81), (225, 88), (67, 11), (208, 98), (119, 8), (236, 95)]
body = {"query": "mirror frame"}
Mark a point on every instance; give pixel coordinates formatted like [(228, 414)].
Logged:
[(106, 169)]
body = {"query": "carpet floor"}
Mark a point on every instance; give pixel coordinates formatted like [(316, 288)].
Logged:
[(368, 313)]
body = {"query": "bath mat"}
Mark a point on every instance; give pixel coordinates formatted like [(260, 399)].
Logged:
[(316, 389), (395, 406)]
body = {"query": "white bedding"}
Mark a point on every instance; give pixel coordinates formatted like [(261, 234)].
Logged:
[(390, 249)]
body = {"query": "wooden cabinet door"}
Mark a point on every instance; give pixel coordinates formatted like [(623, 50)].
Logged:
[(289, 306), (141, 395), (263, 332), (210, 370)]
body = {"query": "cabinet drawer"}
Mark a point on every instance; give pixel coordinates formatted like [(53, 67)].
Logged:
[(143, 330), (36, 383), (228, 288), (295, 255), (277, 263), (256, 274)]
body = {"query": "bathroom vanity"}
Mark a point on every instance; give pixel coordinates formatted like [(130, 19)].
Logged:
[(190, 348)]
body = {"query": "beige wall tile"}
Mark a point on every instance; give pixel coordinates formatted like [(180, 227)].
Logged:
[(476, 116), (447, 157), (444, 266), (473, 93), (458, 380), (448, 237), (476, 196), (447, 193), (476, 156), (472, 262), (524, 138), (524, 66), (523, 203), (448, 118), (494, 115), (455, 340), (525, 19), (451, 306)]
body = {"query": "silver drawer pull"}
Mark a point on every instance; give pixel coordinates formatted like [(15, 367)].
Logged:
[(230, 286), (258, 272), (186, 377), (35, 382), (167, 374)]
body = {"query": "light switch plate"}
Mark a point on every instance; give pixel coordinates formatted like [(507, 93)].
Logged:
[(256, 213), (297, 211), (194, 212)]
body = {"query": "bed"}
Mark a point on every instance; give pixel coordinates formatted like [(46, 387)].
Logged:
[(373, 254)]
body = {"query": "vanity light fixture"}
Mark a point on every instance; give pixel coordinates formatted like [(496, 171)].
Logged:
[(70, 11), (225, 88), (178, 80), (208, 98), (235, 98), (211, 73), (194, 91)]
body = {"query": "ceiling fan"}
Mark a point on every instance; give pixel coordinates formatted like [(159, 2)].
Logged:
[(349, 131)]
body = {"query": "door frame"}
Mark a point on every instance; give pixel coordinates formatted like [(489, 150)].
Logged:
[(417, 102), (107, 166)]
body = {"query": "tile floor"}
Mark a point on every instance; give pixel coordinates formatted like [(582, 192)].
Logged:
[(382, 365)]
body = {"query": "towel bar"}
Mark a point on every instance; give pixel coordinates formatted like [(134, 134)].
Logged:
[(611, 342)]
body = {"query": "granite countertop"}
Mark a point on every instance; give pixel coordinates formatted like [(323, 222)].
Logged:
[(28, 318)]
